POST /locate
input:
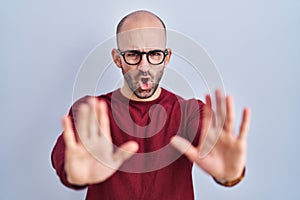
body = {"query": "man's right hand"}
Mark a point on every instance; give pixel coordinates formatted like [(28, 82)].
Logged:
[(91, 159)]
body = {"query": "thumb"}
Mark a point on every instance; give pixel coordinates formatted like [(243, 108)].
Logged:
[(125, 151), (185, 147)]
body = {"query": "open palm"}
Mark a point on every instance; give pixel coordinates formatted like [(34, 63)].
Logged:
[(91, 159), (220, 152)]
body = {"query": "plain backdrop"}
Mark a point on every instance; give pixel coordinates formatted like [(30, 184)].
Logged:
[(254, 43)]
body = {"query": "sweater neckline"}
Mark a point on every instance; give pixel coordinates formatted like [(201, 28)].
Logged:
[(123, 98)]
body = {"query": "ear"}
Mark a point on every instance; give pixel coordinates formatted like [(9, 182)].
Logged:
[(116, 58), (168, 57)]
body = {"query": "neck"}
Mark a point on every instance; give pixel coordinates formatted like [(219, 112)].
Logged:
[(126, 91)]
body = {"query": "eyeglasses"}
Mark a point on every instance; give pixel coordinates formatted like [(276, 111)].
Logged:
[(134, 57)]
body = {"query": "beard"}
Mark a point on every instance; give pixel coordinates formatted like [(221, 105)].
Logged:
[(143, 84)]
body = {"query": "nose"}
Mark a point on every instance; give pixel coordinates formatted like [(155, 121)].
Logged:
[(144, 64)]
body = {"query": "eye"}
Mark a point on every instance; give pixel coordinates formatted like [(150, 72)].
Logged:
[(132, 54), (155, 53)]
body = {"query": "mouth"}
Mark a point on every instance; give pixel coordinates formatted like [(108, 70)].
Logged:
[(144, 83)]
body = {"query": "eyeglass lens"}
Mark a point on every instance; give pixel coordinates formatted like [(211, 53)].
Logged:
[(154, 57)]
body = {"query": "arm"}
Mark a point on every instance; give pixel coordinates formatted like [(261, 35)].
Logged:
[(220, 152)]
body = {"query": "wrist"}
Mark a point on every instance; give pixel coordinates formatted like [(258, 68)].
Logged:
[(231, 183)]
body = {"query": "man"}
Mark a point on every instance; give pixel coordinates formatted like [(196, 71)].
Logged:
[(140, 141)]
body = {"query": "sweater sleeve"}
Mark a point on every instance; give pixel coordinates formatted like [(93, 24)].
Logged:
[(58, 160), (194, 123)]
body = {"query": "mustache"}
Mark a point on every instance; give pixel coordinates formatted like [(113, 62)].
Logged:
[(141, 73), (138, 74)]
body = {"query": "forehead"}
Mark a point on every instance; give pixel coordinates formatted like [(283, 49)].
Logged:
[(143, 38)]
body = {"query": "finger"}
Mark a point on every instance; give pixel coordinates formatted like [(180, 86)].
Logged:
[(220, 108), (83, 122), (245, 124), (207, 113), (104, 119), (125, 151), (185, 147), (208, 102), (229, 120), (206, 120), (69, 136), (94, 126), (76, 107)]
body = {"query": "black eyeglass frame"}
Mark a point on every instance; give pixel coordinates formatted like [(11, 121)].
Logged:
[(140, 53)]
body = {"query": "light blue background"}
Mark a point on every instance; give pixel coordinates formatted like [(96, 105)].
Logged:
[(255, 44)]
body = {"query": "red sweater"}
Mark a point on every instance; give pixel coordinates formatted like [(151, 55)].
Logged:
[(158, 171)]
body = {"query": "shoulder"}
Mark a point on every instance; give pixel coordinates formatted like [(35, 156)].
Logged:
[(183, 101), (87, 100), (166, 94)]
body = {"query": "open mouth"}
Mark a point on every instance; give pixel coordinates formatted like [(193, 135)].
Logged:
[(144, 80), (144, 83)]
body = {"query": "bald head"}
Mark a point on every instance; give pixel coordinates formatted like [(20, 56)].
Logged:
[(140, 19), (141, 29)]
